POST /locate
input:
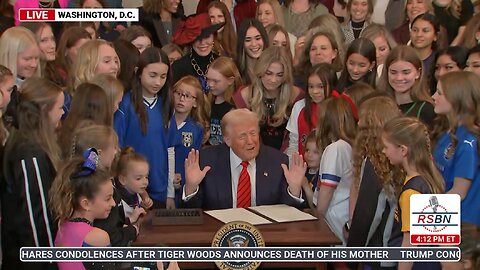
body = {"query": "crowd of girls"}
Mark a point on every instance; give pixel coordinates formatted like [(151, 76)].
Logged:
[(98, 118)]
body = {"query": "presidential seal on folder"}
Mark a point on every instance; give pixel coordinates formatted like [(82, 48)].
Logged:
[(238, 234)]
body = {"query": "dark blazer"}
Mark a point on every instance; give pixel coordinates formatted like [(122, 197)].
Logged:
[(402, 33), (394, 14), (153, 24), (215, 191)]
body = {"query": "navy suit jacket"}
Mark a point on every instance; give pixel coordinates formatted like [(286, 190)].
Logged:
[(215, 190)]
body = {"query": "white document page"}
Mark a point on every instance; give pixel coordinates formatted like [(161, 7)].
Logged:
[(237, 214), (282, 213)]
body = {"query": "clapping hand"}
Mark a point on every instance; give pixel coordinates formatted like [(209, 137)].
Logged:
[(295, 174)]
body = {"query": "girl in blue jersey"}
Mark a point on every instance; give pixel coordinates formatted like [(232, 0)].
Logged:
[(141, 120), (187, 125), (407, 145), (457, 149)]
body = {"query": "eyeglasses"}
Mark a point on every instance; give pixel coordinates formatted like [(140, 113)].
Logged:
[(187, 96)]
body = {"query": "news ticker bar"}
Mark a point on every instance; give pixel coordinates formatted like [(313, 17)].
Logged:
[(259, 254), (78, 14)]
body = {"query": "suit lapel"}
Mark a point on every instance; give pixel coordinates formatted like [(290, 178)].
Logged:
[(262, 186), (224, 178), (161, 34)]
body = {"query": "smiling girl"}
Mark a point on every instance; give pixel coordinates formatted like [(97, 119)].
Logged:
[(404, 81), (20, 53), (303, 119), (360, 64), (272, 95), (94, 57), (425, 35), (359, 12), (252, 40)]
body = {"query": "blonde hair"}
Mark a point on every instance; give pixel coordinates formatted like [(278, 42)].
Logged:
[(200, 113), (111, 85), (226, 66), (88, 135), (335, 122), (14, 41), (375, 30), (369, 12), (128, 155), (277, 11), (236, 116), (373, 114), (282, 103), (88, 58), (462, 90), (412, 133)]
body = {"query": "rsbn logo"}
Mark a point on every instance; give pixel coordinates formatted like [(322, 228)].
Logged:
[(435, 219)]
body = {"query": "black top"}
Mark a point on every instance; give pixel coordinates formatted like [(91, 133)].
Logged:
[(154, 25), (120, 236), (423, 110), (450, 22), (28, 175), (357, 28), (216, 115), (183, 66)]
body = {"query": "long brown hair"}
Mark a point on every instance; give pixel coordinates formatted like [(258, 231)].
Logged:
[(37, 98), (69, 38), (419, 91), (66, 190), (335, 122), (228, 37), (89, 103), (412, 133), (147, 57), (462, 90)]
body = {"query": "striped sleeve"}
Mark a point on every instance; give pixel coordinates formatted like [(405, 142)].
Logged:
[(34, 175), (333, 164)]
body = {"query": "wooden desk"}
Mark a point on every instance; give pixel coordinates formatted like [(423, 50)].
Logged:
[(302, 233)]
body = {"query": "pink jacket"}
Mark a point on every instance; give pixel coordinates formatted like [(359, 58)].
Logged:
[(32, 4)]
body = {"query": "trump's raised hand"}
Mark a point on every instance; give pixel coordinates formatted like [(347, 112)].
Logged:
[(193, 174), (295, 174)]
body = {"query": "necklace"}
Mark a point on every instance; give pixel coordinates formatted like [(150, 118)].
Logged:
[(357, 28), (197, 68), (201, 74), (270, 105), (81, 219)]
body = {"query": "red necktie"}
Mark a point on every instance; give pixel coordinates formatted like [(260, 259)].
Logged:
[(244, 189)]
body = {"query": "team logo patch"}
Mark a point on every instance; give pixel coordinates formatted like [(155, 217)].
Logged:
[(187, 139), (238, 234)]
